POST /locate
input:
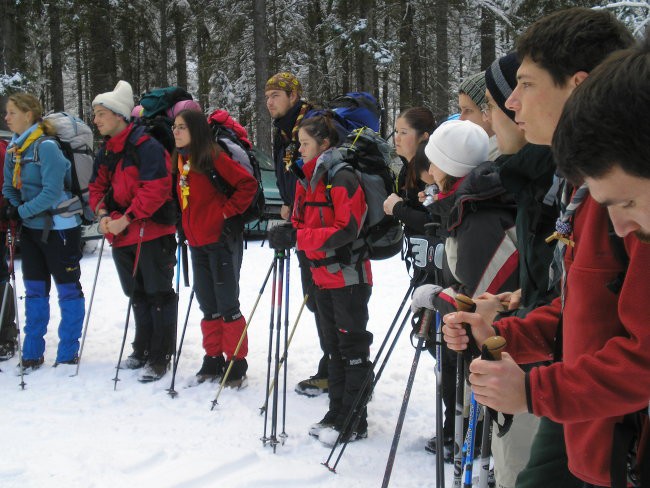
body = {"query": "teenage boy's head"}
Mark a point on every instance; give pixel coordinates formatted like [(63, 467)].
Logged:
[(282, 91), (500, 81), (471, 96), (602, 138), (112, 110), (557, 53)]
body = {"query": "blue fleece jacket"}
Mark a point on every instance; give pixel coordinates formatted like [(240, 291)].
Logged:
[(44, 182)]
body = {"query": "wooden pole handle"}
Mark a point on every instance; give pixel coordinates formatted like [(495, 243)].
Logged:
[(493, 347)]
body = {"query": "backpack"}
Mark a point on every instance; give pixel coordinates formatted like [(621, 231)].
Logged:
[(376, 166), (351, 111), (160, 100), (75, 139), (233, 139)]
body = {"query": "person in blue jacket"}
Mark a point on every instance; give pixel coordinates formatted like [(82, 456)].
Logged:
[(36, 175)]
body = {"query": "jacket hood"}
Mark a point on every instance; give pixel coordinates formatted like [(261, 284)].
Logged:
[(480, 185)]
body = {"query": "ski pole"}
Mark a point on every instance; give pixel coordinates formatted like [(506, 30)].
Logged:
[(136, 261), (12, 274), (278, 332), (283, 434), (470, 441), (491, 351), (265, 439), (243, 334), (369, 380), (440, 458), (171, 390), (282, 359), (465, 304), (423, 334), (90, 306)]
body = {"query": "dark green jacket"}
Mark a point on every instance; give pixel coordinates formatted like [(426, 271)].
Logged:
[(528, 176)]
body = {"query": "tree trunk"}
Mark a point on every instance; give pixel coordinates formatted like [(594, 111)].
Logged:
[(261, 48), (180, 44), (164, 44), (56, 68), (441, 92), (78, 71), (405, 33), (100, 48), (203, 56), (488, 33)]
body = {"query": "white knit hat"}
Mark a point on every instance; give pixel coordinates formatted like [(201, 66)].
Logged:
[(119, 101), (457, 147)]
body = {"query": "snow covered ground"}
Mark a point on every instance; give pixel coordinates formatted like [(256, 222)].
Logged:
[(64, 431)]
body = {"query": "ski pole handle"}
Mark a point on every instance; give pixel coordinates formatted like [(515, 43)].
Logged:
[(425, 323), (492, 348), (466, 304)]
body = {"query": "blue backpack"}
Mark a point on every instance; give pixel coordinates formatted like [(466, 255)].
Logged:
[(352, 111)]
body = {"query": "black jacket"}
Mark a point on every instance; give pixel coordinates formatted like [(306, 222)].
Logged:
[(285, 144), (528, 176)]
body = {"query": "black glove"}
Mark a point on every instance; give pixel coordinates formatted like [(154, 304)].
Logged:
[(282, 236), (11, 213), (231, 227)]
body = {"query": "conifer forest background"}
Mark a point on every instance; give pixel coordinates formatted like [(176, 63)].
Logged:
[(406, 52)]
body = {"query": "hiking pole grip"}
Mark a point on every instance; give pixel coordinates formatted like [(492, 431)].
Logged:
[(466, 304), (492, 348), (425, 323)]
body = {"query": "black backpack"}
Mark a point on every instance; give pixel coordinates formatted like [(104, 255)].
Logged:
[(233, 139), (373, 161)]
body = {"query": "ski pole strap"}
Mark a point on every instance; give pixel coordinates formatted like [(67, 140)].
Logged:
[(492, 348), (466, 304)]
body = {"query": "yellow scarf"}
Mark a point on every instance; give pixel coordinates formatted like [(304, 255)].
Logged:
[(184, 182), (16, 181)]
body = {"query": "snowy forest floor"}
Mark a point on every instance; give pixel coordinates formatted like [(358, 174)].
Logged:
[(78, 432)]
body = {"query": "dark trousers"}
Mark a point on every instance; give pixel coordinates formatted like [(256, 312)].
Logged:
[(216, 277), (153, 299), (8, 330), (155, 267), (308, 287), (343, 318)]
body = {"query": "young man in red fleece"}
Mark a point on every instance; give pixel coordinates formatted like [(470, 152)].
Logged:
[(599, 329)]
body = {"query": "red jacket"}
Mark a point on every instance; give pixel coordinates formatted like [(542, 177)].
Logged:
[(605, 372), (324, 228), (139, 191), (206, 208)]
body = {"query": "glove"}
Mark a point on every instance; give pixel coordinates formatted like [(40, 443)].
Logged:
[(282, 236), (423, 297), (11, 213), (231, 227)]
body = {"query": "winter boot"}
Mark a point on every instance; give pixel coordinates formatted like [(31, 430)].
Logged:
[(153, 371), (8, 350), (73, 361), (327, 422), (237, 376), (313, 386), (8, 331), (30, 365), (447, 444), (37, 316), (211, 369), (72, 305), (330, 435)]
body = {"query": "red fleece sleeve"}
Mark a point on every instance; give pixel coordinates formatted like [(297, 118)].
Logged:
[(242, 181), (531, 339)]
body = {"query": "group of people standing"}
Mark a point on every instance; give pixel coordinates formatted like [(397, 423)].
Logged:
[(534, 248)]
